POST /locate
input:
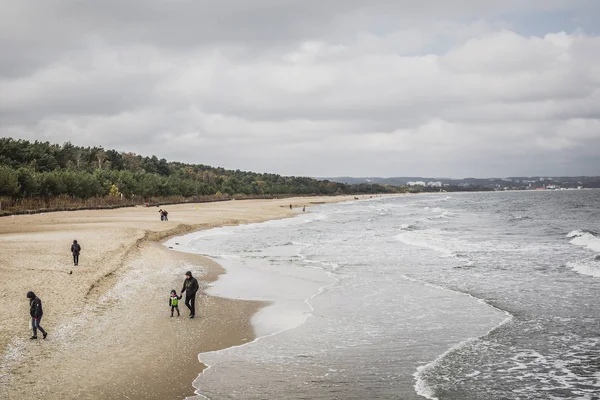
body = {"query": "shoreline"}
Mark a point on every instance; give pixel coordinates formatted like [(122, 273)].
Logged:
[(122, 251), (230, 364)]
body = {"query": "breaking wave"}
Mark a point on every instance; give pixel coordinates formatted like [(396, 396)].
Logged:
[(585, 268), (585, 238), (408, 227), (520, 218)]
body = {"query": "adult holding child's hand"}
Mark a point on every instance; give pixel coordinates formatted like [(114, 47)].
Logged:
[(190, 286)]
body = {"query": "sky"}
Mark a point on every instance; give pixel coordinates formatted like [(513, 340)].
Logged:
[(452, 88)]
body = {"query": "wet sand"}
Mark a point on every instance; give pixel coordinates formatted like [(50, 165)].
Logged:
[(110, 334)]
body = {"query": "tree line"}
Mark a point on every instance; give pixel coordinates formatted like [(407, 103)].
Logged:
[(44, 170)]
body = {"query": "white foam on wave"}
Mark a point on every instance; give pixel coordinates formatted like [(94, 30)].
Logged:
[(408, 227), (274, 312), (520, 218), (438, 199), (421, 386), (444, 214), (438, 212), (587, 239), (585, 269), (426, 239), (565, 369), (435, 240), (314, 217)]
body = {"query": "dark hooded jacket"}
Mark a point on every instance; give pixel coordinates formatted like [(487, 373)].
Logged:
[(75, 248), (35, 306), (190, 286)]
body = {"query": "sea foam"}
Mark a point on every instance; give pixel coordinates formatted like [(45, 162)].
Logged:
[(585, 269), (585, 238)]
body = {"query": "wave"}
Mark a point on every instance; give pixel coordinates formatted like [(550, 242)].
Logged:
[(520, 218), (308, 301), (445, 214), (585, 269), (435, 209), (439, 212), (437, 199), (419, 239), (408, 227), (421, 386), (468, 263), (585, 238), (429, 239), (293, 243), (582, 232)]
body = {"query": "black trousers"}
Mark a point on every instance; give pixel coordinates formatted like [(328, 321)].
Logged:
[(35, 325), (75, 259), (190, 302)]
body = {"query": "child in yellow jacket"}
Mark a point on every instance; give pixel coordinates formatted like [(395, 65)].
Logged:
[(174, 302)]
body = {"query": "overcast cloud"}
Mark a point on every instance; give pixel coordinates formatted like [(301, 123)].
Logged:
[(317, 88)]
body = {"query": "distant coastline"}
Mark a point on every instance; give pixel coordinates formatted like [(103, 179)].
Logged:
[(470, 184)]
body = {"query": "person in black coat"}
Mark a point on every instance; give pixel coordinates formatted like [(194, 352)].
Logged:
[(190, 285), (75, 249), (36, 312)]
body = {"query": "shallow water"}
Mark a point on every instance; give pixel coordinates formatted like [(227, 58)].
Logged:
[(461, 296)]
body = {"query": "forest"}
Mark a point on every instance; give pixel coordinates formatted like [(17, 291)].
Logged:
[(40, 175)]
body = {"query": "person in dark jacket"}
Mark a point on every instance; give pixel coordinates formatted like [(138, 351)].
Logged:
[(75, 249), (190, 285), (36, 312)]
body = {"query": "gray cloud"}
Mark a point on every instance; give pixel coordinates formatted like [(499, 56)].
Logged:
[(311, 88)]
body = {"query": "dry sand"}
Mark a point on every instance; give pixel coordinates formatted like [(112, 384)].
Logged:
[(110, 334)]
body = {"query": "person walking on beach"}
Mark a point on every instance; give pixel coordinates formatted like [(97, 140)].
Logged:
[(174, 302), (190, 286), (36, 312), (75, 249), (163, 215)]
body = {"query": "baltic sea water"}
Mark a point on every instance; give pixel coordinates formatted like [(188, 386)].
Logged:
[(448, 296)]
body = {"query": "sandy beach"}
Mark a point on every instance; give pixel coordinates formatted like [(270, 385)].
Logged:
[(110, 333)]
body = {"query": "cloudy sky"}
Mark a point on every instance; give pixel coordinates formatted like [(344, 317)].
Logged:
[(449, 88)]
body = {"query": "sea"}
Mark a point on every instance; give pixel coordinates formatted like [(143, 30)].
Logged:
[(490, 295)]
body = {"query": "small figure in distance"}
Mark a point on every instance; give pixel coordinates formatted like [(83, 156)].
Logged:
[(162, 214), (36, 312), (174, 302), (303, 208), (75, 249), (290, 206), (165, 213)]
